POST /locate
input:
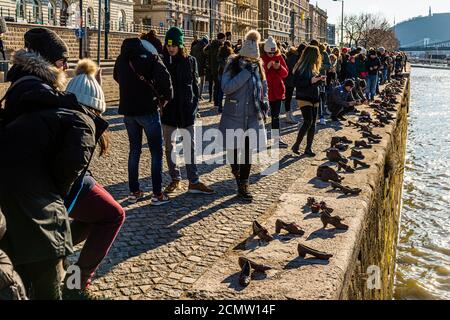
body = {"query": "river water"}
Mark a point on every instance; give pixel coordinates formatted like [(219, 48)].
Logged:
[(423, 256)]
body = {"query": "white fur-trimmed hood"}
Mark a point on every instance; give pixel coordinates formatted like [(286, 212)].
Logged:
[(34, 63)]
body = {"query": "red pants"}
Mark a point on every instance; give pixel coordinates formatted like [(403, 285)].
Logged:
[(97, 219)]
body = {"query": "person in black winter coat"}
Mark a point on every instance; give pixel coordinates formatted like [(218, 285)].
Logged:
[(145, 86), (200, 56), (307, 80), (292, 57), (211, 51), (46, 149), (373, 65), (180, 113)]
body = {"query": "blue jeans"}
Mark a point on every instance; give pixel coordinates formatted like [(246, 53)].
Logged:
[(371, 89), (151, 125)]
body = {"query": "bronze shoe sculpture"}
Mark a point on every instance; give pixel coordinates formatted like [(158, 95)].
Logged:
[(372, 140), (357, 154), (324, 207), (371, 135), (362, 144), (245, 275), (261, 232), (334, 155), (345, 189), (304, 250), (360, 163), (346, 167), (326, 173), (335, 140), (292, 227), (341, 146), (315, 208), (310, 201), (326, 219), (255, 266)]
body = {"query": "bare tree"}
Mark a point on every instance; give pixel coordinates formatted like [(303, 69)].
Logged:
[(369, 30)]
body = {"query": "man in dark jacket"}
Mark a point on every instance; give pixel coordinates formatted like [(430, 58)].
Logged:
[(145, 86), (46, 149), (341, 100), (211, 51), (200, 56)]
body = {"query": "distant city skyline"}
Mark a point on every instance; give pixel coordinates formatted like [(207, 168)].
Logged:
[(400, 10)]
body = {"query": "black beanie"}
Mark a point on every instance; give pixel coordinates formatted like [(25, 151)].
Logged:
[(47, 43)]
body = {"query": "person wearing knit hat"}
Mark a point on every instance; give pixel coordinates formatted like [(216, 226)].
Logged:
[(245, 109), (276, 71), (174, 37), (86, 88), (250, 46), (179, 114), (106, 220), (48, 44)]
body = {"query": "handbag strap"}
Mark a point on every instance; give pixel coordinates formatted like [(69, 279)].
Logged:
[(147, 82)]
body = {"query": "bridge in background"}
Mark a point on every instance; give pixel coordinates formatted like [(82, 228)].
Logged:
[(437, 46)]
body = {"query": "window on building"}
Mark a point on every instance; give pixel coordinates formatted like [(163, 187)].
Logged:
[(37, 12), (63, 15), (146, 2), (147, 21), (90, 21), (20, 9), (51, 10), (122, 20)]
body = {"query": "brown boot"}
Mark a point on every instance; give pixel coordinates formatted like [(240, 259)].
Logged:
[(334, 155), (289, 227), (326, 174), (243, 191), (173, 186), (326, 219), (304, 250)]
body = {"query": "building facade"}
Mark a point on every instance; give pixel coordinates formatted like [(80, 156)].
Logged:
[(67, 13), (238, 17), (191, 15), (318, 26)]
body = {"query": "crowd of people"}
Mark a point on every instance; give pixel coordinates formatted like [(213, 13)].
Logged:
[(50, 131)]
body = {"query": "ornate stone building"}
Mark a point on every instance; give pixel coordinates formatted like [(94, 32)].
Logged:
[(285, 20), (67, 13), (318, 26), (191, 15)]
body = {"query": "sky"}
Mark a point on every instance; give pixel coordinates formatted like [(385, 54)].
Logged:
[(400, 9)]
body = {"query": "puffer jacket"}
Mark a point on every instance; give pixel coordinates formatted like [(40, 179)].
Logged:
[(241, 112), (305, 90), (275, 78), (45, 152)]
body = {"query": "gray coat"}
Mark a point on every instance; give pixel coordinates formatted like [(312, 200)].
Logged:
[(240, 112)]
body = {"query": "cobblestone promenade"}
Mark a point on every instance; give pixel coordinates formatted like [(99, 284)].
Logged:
[(162, 251)]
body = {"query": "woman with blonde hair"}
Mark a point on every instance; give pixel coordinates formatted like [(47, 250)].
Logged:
[(307, 80)]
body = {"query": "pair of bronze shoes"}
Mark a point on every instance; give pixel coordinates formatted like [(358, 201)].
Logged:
[(357, 154), (339, 140), (335, 221), (246, 270), (334, 155), (362, 144), (345, 189), (316, 206), (360, 163), (326, 173), (263, 233), (345, 167)]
